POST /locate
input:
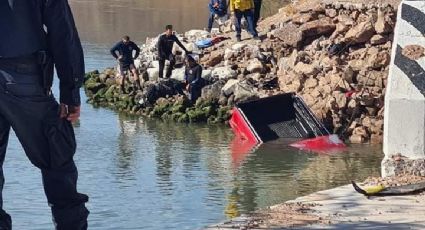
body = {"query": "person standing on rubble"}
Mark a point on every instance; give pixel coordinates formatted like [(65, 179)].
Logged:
[(165, 47), (125, 49), (243, 8), (218, 8), (193, 77)]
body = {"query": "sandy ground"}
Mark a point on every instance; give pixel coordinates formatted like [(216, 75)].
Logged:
[(339, 208)]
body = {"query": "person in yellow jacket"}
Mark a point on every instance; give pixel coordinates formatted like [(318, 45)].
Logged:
[(243, 8)]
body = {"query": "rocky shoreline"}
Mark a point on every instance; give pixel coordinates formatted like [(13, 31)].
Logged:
[(335, 56)]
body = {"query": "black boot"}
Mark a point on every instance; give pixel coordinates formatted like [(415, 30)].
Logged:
[(122, 89), (137, 84), (5, 221)]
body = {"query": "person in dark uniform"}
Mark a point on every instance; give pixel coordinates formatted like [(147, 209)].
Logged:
[(193, 77), (42, 125), (125, 49), (165, 48), (257, 12)]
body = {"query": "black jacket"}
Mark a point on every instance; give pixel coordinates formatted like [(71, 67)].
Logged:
[(126, 50), (165, 45), (193, 76), (22, 33)]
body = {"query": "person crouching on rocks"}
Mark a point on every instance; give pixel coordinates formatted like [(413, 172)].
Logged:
[(165, 48), (217, 8), (193, 77), (243, 8), (125, 59)]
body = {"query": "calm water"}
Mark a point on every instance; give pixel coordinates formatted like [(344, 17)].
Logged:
[(144, 174)]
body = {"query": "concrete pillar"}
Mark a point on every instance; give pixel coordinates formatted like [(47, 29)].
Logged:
[(404, 125)]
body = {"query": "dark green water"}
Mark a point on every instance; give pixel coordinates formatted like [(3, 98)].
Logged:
[(147, 174)]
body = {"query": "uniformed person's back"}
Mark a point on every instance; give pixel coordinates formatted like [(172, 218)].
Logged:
[(34, 36), (22, 28)]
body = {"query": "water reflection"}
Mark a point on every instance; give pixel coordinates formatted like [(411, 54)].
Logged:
[(106, 21), (126, 154), (164, 161)]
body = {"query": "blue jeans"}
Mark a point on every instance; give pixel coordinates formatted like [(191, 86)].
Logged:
[(249, 16), (213, 12)]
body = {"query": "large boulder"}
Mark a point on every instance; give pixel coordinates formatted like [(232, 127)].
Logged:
[(302, 18), (229, 87), (153, 74), (192, 47), (306, 69), (377, 59), (196, 34), (239, 47), (289, 35), (245, 92), (319, 27), (214, 58), (311, 83), (229, 53), (224, 72), (255, 66), (154, 64), (206, 74), (178, 74), (213, 91), (378, 40), (288, 63), (360, 33), (331, 13)]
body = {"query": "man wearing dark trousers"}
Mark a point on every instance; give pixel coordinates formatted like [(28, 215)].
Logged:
[(125, 58), (243, 8), (42, 125), (193, 77), (257, 11), (165, 48)]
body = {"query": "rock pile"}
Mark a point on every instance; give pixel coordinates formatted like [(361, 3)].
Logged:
[(394, 181), (160, 99), (338, 62), (335, 56), (400, 165)]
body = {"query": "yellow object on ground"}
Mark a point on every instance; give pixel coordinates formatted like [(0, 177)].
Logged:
[(369, 190), (374, 189)]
